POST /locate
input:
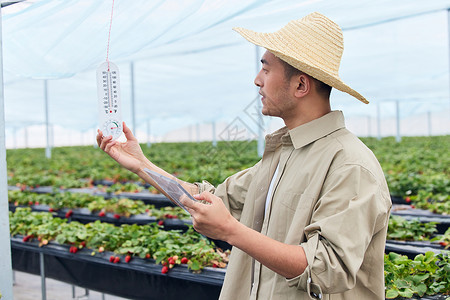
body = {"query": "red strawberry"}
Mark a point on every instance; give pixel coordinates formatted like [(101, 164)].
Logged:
[(73, 249), (171, 261), (184, 260), (214, 265), (164, 263), (413, 206), (51, 209), (28, 237), (408, 199), (116, 216), (30, 203), (127, 258), (111, 258), (69, 213), (164, 270), (101, 214), (83, 244), (443, 244), (160, 222), (36, 203), (116, 260)]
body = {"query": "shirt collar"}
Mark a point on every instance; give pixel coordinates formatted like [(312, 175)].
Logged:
[(273, 140), (307, 133)]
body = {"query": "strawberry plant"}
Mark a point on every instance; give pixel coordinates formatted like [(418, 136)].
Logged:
[(409, 230), (426, 274), (144, 241), (443, 240), (118, 206)]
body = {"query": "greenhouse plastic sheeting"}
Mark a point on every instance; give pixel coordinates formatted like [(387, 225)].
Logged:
[(189, 67), (135, 280)]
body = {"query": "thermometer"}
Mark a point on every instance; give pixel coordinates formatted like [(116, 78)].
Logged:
[(108, 93)]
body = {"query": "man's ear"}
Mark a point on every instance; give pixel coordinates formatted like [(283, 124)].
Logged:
[(303, 83)]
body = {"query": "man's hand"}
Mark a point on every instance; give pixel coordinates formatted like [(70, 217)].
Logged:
[(213, 219), (128, 154)]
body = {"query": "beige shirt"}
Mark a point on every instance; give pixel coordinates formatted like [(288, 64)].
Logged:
[(330, 197)]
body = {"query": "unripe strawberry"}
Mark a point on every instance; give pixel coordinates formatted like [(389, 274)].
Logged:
[(101, 249)]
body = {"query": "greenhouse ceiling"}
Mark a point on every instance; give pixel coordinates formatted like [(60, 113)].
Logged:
[(181, 63)]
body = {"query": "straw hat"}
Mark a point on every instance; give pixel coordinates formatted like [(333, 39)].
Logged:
[(313, 44)]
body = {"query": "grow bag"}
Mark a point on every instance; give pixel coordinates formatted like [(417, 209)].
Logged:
[(138, 279), (411, 249)]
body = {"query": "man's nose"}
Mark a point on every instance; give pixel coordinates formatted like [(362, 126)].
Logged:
[(258, 81)]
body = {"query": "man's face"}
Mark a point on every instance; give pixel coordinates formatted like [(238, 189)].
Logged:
[(275, 89)]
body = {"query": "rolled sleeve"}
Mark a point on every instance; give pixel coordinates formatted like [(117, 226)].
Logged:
[(350, 210), (304, 281)]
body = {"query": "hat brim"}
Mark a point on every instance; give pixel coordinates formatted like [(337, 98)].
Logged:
[(273, 44)]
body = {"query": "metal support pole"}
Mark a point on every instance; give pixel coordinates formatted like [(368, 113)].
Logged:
[(5, 246), (48, 151), (26, 137), (398, 137), (149, 144), (197, 127), (214, 138), (260, 146), (448, 21), (378, 122), (43, 288), (133, 107), (15, 137)]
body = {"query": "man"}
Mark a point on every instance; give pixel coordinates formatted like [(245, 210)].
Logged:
[(309, 220)]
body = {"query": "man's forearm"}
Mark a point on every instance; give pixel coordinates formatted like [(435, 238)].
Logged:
[(287, 260)]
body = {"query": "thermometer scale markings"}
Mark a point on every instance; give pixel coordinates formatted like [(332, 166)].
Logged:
[(108, 85)]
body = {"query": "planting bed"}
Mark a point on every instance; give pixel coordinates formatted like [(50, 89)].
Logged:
[(417, 171)]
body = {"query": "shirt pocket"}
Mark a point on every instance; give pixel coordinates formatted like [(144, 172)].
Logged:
[(292, 214)]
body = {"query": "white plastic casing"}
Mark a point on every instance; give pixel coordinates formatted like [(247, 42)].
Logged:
[(108, 93)]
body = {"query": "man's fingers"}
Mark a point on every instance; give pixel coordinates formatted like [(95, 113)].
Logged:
[(127, 131), (205, 196), (99, 137), (109, 145)]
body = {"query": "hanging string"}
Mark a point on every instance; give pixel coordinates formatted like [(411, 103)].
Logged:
[(109, 33)]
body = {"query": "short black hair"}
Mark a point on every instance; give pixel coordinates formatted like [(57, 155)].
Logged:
[(322, 88)]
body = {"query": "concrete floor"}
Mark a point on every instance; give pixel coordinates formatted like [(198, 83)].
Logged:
[(28, 287)]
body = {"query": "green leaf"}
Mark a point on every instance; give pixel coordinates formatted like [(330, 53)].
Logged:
[(391, 294)]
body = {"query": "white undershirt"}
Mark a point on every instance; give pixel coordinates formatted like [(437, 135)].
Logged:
[(269, 193)]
